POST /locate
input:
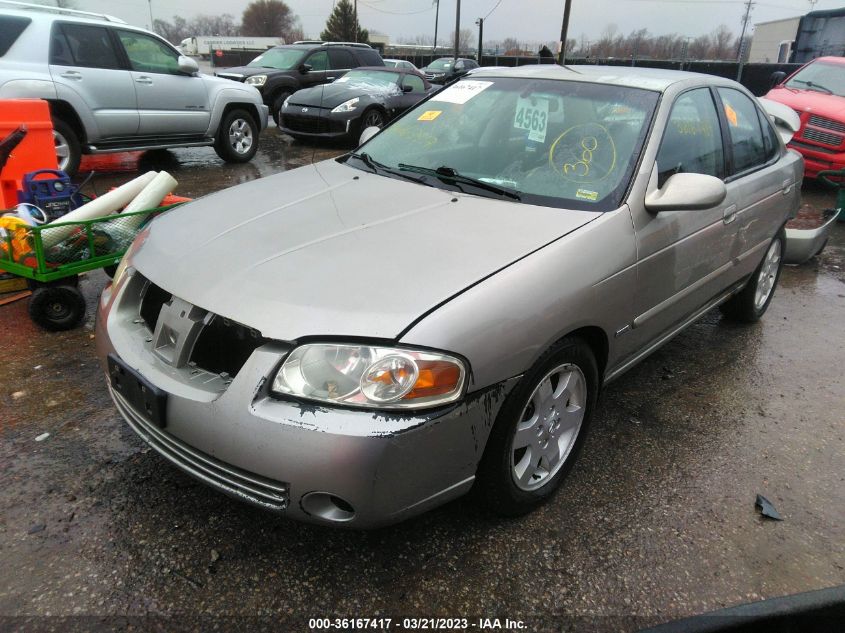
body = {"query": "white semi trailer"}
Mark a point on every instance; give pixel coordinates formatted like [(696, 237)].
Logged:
[(202, 45)]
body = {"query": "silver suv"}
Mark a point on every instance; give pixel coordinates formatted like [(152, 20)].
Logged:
[(114, 87)]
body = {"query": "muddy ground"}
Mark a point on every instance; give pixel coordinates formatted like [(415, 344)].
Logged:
[(657, 520)]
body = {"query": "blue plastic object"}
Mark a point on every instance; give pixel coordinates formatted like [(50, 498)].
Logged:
[(50, 190)]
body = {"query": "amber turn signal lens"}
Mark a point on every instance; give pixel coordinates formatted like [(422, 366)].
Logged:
[(435, 378)]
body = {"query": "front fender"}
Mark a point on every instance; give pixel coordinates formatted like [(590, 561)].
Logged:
[(227, 96)]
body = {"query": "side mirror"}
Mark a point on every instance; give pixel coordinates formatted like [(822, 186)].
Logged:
[(777, 78), (407, 88), (305, 68), (368, 133), (687, 192), (187, 65)]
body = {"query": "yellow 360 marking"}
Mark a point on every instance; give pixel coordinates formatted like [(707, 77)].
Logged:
[(580, 163)]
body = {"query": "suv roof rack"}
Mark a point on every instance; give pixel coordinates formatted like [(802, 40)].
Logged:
[(322, 43), (27, 6)]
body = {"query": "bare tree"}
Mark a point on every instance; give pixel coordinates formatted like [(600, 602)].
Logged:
[(267, 18), (466, 39), (175, 31), (223, 24), (722, 46)]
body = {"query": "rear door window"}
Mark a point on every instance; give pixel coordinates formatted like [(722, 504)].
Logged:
[(341, 60), (747, 144), (692, 142), (87, 46), (369, 57), (11, 28)]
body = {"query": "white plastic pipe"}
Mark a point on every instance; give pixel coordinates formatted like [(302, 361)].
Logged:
[(97, 208), (149, 198)]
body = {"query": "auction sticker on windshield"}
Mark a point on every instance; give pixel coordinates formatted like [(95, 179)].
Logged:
[(430, 115), (462, 91), (532, 115)]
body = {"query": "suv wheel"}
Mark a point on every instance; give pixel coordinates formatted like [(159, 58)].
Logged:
[(278, 102), (237, 137), (68, 150)]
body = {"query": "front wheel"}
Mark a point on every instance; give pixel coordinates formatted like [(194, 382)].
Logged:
[(373, 118), (751, 302), (539, 430), (237, 137), (278, 104)]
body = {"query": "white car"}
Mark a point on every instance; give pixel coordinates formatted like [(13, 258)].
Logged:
[(400, 63)]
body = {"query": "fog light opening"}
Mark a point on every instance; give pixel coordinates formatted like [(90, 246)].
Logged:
[(328, 507)]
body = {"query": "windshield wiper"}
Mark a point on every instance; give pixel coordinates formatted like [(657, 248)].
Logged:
[(451, 174), (812, 84), (377, 167)]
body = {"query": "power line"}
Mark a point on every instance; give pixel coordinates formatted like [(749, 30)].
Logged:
[(491, 10), (369, 6)]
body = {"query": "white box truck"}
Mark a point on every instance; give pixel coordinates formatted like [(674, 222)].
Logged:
[(202, 45)]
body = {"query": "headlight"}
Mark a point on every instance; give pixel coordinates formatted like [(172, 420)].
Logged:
[(365, 376), (287, 101), (256, 80), (347, 106)]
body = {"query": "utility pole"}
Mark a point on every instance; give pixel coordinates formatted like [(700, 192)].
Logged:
[(741, 48), (564, 28), (151, 14), (480, 23), (436, 20), (355, 26), (457, 28)]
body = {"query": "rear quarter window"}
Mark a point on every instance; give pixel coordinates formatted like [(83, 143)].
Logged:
[(11, 28), (369, 58)]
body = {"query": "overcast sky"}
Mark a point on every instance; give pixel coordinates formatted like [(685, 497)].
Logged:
[(529, 20)]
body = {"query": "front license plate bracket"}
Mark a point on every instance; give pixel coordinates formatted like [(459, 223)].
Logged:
[(144, 397)]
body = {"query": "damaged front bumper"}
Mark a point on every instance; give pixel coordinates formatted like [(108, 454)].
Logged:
[(313, 463)]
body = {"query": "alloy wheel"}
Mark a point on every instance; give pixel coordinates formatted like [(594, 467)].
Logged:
[(240, 136), (768, 274), (62, 150), (548, 427)]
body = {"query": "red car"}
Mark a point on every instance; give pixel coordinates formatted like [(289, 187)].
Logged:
[(816, 92)]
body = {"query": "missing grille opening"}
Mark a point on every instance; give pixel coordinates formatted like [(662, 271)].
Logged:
[(224, 346), (154, 298)]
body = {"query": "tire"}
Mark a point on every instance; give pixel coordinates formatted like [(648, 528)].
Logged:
[(237, 137), (68, 148), (57, 308), (276, 108), (374, 117), (751, 302), (513, 480)]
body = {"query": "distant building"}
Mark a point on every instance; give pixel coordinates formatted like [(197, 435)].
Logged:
[(773, 41)]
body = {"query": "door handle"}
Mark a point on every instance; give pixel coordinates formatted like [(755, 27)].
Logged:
[(729, 214), (72, 74), (144, 80)]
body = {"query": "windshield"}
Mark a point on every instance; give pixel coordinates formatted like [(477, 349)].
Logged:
[(821, 77), (370, 78), (279, 58), (444, 63), (556, 143)]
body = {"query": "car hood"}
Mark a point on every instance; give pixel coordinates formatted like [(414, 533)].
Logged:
[(331, 250), (830, 106), (334, 94), (248, 71)]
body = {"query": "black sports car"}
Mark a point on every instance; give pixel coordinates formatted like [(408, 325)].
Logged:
[(363, 97)]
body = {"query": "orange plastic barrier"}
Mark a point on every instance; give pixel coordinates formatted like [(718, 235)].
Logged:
[(36, 151)]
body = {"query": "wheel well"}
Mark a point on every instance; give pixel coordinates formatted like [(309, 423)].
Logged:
[(64, 111), (596, 338), (250, 108)]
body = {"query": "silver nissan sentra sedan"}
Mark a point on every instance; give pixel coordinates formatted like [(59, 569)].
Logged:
[(357, 341)]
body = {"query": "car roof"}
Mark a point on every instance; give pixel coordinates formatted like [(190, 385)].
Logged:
[(657, 79), (832, 60)]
